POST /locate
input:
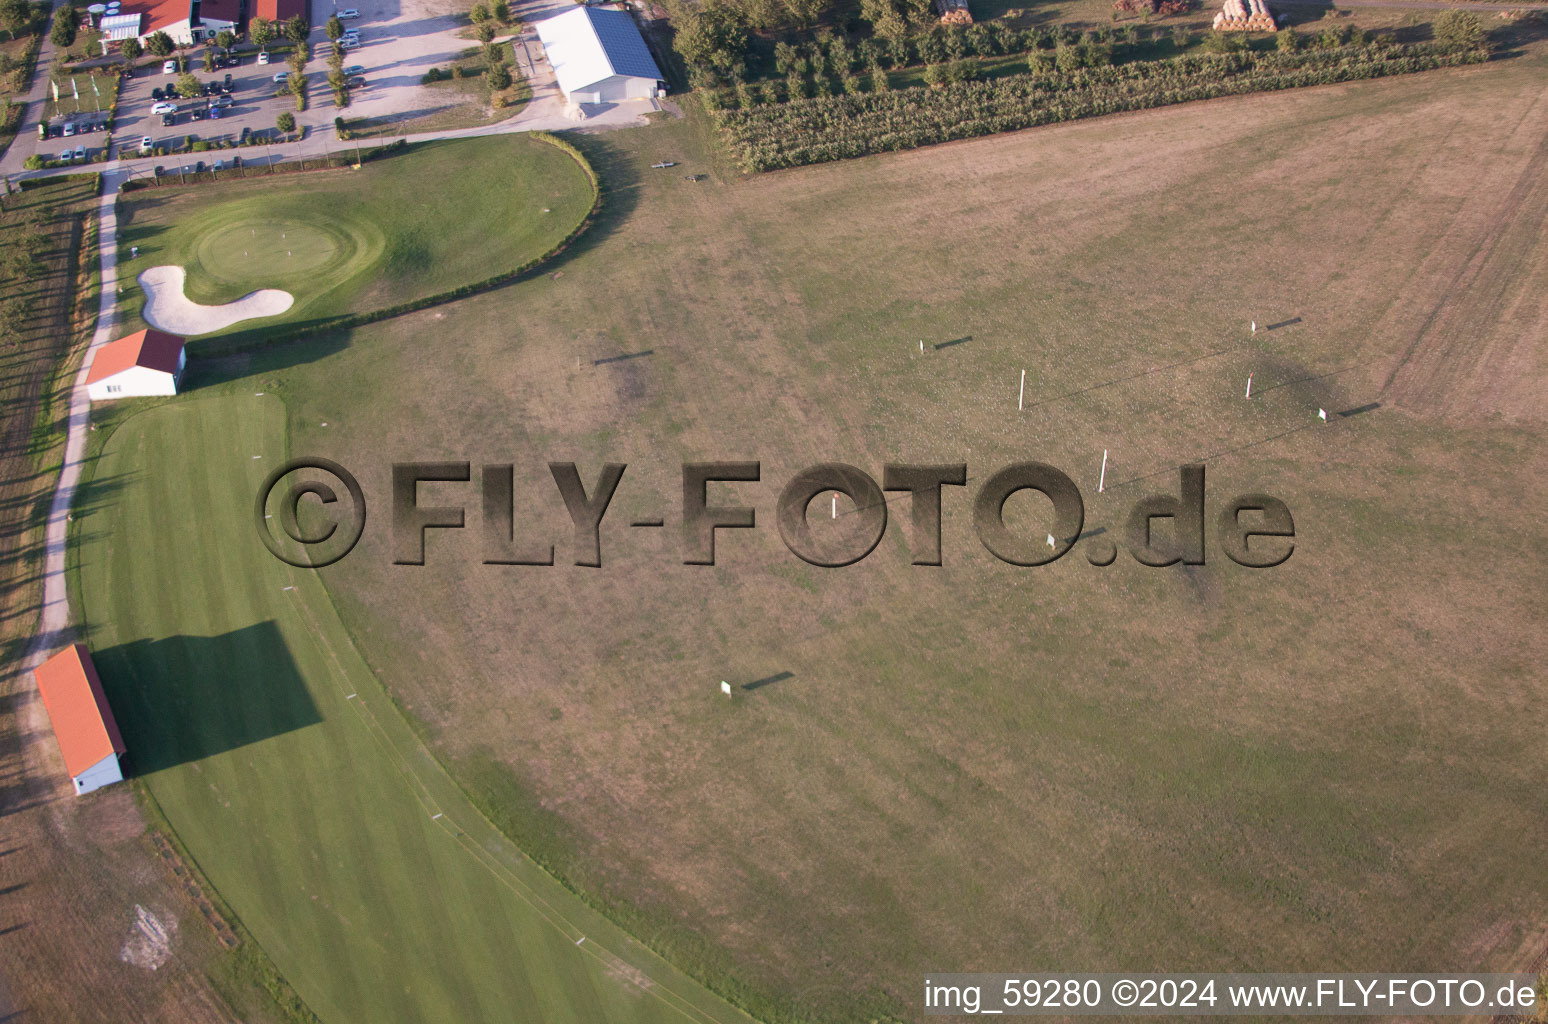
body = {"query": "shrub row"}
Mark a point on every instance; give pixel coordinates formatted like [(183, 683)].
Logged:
[(348, 321), (837, 127)]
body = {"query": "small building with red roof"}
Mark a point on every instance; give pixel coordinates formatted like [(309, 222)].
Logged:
[(148, 362), (83, 723)]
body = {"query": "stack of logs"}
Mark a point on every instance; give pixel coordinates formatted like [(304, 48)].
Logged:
[(1248, 16)]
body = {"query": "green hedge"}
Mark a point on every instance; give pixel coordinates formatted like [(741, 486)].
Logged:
[(807, 131)]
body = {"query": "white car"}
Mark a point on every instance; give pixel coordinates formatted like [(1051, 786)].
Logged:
[(348, 14), (169, 67), (163, 108), (282, 76), (80, 153), (65, 154), (263, 56), (146, 145)]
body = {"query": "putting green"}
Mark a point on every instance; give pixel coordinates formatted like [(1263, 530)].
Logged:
[(349, 242), (234, 253)]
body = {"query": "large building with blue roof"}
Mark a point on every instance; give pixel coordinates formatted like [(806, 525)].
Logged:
[(599, 56)]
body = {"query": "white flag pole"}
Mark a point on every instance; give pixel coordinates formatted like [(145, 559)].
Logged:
[(1021, 397), (1249, 385), (1102, 482)]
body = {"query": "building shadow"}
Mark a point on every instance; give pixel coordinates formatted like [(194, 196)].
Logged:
[(184, 698)]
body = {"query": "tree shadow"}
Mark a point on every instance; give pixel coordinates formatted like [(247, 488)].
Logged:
[(184, 698)]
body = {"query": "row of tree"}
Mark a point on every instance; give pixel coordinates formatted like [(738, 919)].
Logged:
[(864, 122)]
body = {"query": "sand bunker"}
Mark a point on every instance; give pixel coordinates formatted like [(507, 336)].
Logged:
[(168, 309)]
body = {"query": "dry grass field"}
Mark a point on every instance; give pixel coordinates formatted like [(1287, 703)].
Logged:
[(1333, 765)]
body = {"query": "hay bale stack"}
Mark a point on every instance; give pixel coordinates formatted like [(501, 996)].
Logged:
[(1251, 16), (954, 12)]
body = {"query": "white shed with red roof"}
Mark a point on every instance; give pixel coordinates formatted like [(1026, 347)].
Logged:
[(148, 362), (83, 723)]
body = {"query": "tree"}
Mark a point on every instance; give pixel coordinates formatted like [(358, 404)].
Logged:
[(499, 76), (188, 86), (1458, 28), (17, 15), (485, 31), (131, 49), (260, 31), (66, 22), (479, 13), (335, 28), (500, 10), (209, 59), (298, 57), (1287, 40), (286, 122), (298, 88), (493, 54), (159, 44), (225, 39), (296, 29)]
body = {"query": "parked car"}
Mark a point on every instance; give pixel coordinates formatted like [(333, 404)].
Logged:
[(348, 14), (158, 94), (65, 155), (227, 81), (146, 144), (169, 67), (196, 114), (282, 76), (223, 101), (220, 165), (214, 113), (246, 133), (198, 166), (164, 107), (263, 56), (80, 153), (69, 128), (168, 120), (354, 69), (355, 83)]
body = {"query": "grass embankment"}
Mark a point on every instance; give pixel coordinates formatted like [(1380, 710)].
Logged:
[(375, 888), (48, 307), (346, 242)]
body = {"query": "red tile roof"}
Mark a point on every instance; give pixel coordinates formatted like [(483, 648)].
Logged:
[(150, 348), (78, 709), (157, 14), (279, 10), (219, 10)]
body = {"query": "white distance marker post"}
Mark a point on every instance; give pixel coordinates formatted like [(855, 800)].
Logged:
[(1102, 481), (1051, 541), (1249, 385), (725, 688), (1255, 327), (1021, 396), (1322, 414), (835, 505)]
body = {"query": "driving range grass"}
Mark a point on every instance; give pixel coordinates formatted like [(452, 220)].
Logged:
[(356, 864), (410, 225), (1335, 764)]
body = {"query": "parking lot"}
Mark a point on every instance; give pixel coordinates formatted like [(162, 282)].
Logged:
[(399, 41)]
